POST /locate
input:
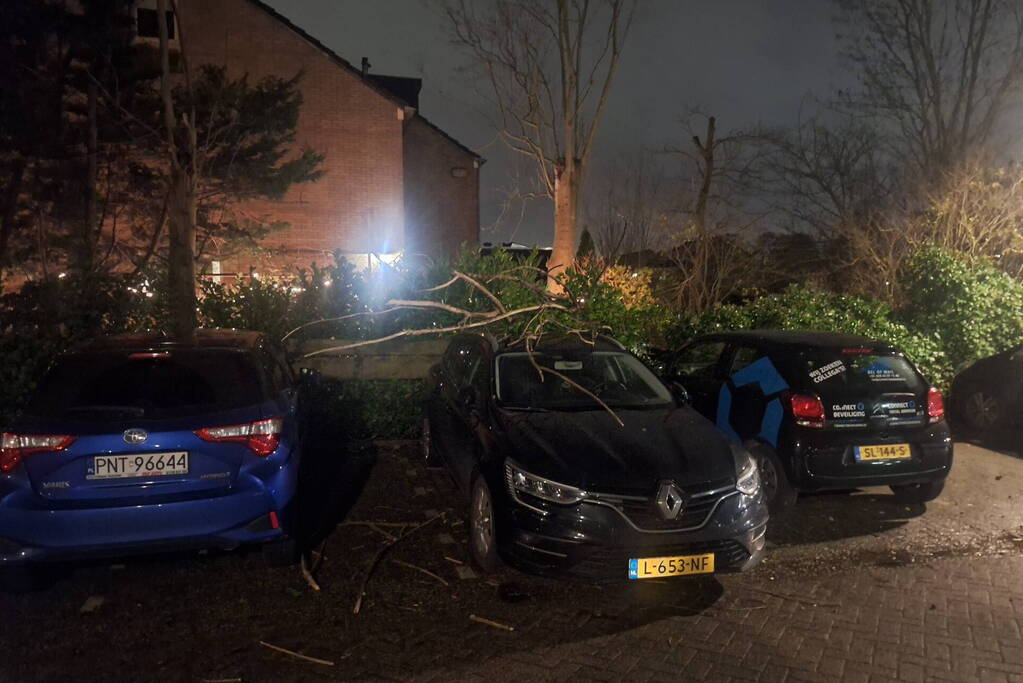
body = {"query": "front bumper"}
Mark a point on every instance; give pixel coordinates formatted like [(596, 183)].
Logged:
[(595, 542)]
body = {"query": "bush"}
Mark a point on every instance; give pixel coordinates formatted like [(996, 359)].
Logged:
[(969, 306), (804, 308)]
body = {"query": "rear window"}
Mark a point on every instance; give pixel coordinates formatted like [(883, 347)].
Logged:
[(857, 375), (180, 383)]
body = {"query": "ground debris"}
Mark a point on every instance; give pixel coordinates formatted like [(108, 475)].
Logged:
[(92, 603), (298, 655), (490, 622)]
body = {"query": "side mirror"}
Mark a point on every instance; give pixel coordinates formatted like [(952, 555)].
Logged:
[(679, 392)]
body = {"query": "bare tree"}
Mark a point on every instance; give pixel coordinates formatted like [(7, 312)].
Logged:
[(710, 252), (549, 65), (940, 72), (630, 215)]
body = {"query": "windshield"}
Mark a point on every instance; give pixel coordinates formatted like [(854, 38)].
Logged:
[(618, 379), (180, 383)]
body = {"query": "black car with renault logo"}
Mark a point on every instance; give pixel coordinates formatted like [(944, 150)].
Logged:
[(820, 410), (576, 459)]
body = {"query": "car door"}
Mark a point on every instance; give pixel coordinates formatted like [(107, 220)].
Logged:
[(468, 408), (747, 398), (451, 416), (698, 366)]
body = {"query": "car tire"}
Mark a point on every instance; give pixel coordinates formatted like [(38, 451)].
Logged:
[(282, 552), (426, 445), (918, 493), (981, 410), (482, 526), (778, 491)]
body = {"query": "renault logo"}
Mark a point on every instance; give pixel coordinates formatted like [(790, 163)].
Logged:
[(669, 500), (135, 436)]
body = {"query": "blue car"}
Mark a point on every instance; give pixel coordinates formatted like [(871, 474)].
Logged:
[(140, 443)]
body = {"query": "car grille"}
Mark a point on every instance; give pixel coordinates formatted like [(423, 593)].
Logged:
[(643, 513), (604, 561)]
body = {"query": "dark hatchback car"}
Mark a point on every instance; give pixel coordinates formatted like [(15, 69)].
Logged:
[(639, 487), (820, 410), (988, 393), (140, 443)]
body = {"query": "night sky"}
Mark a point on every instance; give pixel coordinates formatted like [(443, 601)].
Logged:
[(744, 61)]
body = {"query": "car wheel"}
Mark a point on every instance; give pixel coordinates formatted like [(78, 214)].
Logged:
[(426, 447), (982, 410), (778, 492), (282, 552), (482, 529), (918, 493)]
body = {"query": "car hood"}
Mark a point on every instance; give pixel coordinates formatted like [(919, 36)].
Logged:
[(589, 449)]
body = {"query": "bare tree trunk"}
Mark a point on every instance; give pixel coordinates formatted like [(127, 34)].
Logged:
[(181, 262), (181, 201), (10, 210), (566, 201), (84, 247), (707, 154)]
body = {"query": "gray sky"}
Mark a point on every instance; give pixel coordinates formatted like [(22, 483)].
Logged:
[(743, 61)]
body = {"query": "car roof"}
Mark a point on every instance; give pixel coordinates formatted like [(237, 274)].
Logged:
[(796, 339), (158, 339)]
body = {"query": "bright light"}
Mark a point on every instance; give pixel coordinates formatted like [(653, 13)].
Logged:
[(62, 276)]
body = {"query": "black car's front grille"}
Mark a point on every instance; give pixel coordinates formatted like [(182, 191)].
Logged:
[(700, 501), (603, 561)]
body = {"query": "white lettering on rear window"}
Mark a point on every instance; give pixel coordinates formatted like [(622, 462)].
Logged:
[(828, 371)]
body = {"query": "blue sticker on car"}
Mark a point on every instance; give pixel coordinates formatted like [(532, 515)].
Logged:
[(763, 374)]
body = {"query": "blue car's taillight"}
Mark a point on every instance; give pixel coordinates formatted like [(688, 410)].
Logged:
[(262, 437), (15, 447)]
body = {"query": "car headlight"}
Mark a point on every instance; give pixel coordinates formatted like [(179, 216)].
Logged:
[(748, 479), (521, 481)]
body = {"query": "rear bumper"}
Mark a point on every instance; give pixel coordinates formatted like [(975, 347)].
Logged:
[(30, 531), (826, 460)]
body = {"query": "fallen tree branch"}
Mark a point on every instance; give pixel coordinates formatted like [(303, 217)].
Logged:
[(299, 655), (437, 330), (421, 570), (380, 553), (489, 622), (307, 574)]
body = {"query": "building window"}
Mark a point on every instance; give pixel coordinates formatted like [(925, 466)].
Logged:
[(149, 25)]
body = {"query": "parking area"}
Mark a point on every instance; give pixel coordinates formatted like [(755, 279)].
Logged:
[(854, 587)]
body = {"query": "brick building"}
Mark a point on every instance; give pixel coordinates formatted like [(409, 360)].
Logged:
[(394, 182)]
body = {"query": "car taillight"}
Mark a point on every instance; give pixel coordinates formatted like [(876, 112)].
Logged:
[(808, 410), (261, 437), (935, 405), (14, 447)]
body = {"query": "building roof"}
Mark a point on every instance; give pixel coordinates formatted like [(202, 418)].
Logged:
[(376, 83)]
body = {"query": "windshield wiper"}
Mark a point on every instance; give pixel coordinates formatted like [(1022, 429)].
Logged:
[(527, 409), (133, 411)]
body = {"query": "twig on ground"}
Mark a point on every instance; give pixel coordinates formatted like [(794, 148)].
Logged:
[(372, 523), (796, 598), (307, 573), (488, 622), (453, 560), (299, 655), (420, 569), (380, 553), (389, 536)]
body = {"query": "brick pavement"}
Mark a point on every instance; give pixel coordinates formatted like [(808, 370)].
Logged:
[(191, 619), (952, 619)]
